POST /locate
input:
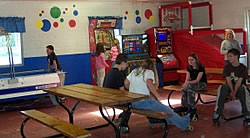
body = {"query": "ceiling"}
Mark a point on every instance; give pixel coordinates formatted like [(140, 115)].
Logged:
[(151, 1)]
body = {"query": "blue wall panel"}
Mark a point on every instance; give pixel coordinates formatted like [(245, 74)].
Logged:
[(77, 67)]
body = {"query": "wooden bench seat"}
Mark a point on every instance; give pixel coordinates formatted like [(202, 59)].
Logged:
[(61, 126), (216, 81), (212, 91), (149, 113), (208, 91)]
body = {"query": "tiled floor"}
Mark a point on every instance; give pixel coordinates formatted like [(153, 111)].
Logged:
[(87, 115)]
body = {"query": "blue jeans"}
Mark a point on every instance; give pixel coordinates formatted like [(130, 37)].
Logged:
[(181, 122)]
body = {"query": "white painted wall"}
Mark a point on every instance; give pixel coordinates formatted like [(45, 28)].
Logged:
[(73, 40), (230, 14)]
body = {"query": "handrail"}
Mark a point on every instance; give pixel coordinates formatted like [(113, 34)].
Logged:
[(23, 72)]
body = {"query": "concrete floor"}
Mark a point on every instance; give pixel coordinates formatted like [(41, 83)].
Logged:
[(87, 115)]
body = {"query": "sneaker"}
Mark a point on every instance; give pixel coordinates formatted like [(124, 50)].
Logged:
[(124, 129), (193, 114), (216, 118), (151, 125), (189, 128), (180, 110), (247, 120)]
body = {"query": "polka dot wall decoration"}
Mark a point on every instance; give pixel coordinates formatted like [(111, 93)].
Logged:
[(149, 15), (57, 17)]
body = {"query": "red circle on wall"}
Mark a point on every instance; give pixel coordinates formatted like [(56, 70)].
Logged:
[(148, 13), (72, 23), (55, 24)]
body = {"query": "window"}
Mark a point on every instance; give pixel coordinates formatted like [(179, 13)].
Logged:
[(15, 41)]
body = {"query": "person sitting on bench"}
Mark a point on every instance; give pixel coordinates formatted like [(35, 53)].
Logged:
[(141, 80), (115, 79), (236, 75), (196, 80)]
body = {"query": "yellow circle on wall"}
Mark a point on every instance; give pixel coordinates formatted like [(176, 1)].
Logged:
[(39, 24), (129, 15), (152, 19)]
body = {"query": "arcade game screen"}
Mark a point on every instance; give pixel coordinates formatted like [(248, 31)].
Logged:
[(135, 46), (163, 43)]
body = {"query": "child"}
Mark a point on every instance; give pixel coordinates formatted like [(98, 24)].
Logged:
[(236, 75), (100, 64), (141, 81), (195, 81), (229, 43), (115, 50), (53, 64), (115, 79)]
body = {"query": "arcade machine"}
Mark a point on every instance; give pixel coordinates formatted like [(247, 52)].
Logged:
[(136, 48), (100, 31), (160, 46)]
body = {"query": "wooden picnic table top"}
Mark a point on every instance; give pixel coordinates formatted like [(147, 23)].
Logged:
[(96, 95)]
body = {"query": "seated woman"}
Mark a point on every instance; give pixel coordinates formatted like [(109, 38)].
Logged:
[(141, 80), (195, 81)]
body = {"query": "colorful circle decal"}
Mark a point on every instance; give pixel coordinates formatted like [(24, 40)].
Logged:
[(125, 17), (39, 24), (126, 12), (62, 20), (55, 12), (152, 19), (55, 24), (72, 23), (148, 13), (46, 25), (138, 20), (137, 12), (75, 12)]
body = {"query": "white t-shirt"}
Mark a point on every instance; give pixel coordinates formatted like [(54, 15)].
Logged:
[(138, 79)]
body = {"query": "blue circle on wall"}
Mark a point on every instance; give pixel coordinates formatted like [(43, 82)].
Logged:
[(125, 17), (75, 12), (138, 19), (46, 25)]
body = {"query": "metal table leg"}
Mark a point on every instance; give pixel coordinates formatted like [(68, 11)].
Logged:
[(70, 113), (22, 126), (169, 95)]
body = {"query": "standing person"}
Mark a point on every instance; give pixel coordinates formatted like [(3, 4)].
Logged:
[(100, 64), (141, 81), (115, 50), (229, 43), (115, 79), (195, 81), (53, 64), (235, 87)]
